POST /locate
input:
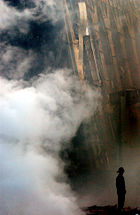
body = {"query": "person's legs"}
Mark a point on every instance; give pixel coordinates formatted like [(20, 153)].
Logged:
[(121, 200)]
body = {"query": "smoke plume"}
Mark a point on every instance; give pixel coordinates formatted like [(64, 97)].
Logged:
[(21, 12), (31, 36), (35, 120)]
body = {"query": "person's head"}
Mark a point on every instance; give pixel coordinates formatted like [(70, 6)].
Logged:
[(121, 170)]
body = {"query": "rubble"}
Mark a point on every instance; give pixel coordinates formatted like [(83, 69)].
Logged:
[(110, 210)]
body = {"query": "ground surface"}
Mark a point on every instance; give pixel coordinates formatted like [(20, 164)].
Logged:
[(110, 210)]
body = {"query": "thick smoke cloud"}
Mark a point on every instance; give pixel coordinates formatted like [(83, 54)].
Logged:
[(35, 121), (31, 33), (38, 117), (20, 12), (15, 61), (28, 184)]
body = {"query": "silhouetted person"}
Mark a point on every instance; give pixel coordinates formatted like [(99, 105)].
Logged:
[(120, 185)]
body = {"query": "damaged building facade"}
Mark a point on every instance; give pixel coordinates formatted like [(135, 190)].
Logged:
[(104, 49)]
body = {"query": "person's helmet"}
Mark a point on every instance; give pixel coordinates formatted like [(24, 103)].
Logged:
[(120, 170)]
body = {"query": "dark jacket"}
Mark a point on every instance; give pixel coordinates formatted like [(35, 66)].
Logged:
[(120, 184)]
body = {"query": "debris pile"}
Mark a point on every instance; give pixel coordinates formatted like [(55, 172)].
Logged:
[(110, 210)]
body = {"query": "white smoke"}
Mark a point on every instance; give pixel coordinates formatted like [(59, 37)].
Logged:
[(42, 10), (34, 122), (10, 16), (15, 61)]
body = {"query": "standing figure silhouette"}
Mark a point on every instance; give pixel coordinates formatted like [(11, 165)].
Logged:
[(120, 185)]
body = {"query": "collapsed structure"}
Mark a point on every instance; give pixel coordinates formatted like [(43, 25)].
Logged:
[(103, 39)]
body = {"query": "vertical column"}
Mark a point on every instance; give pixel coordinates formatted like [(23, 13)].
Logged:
[(82, 33)]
